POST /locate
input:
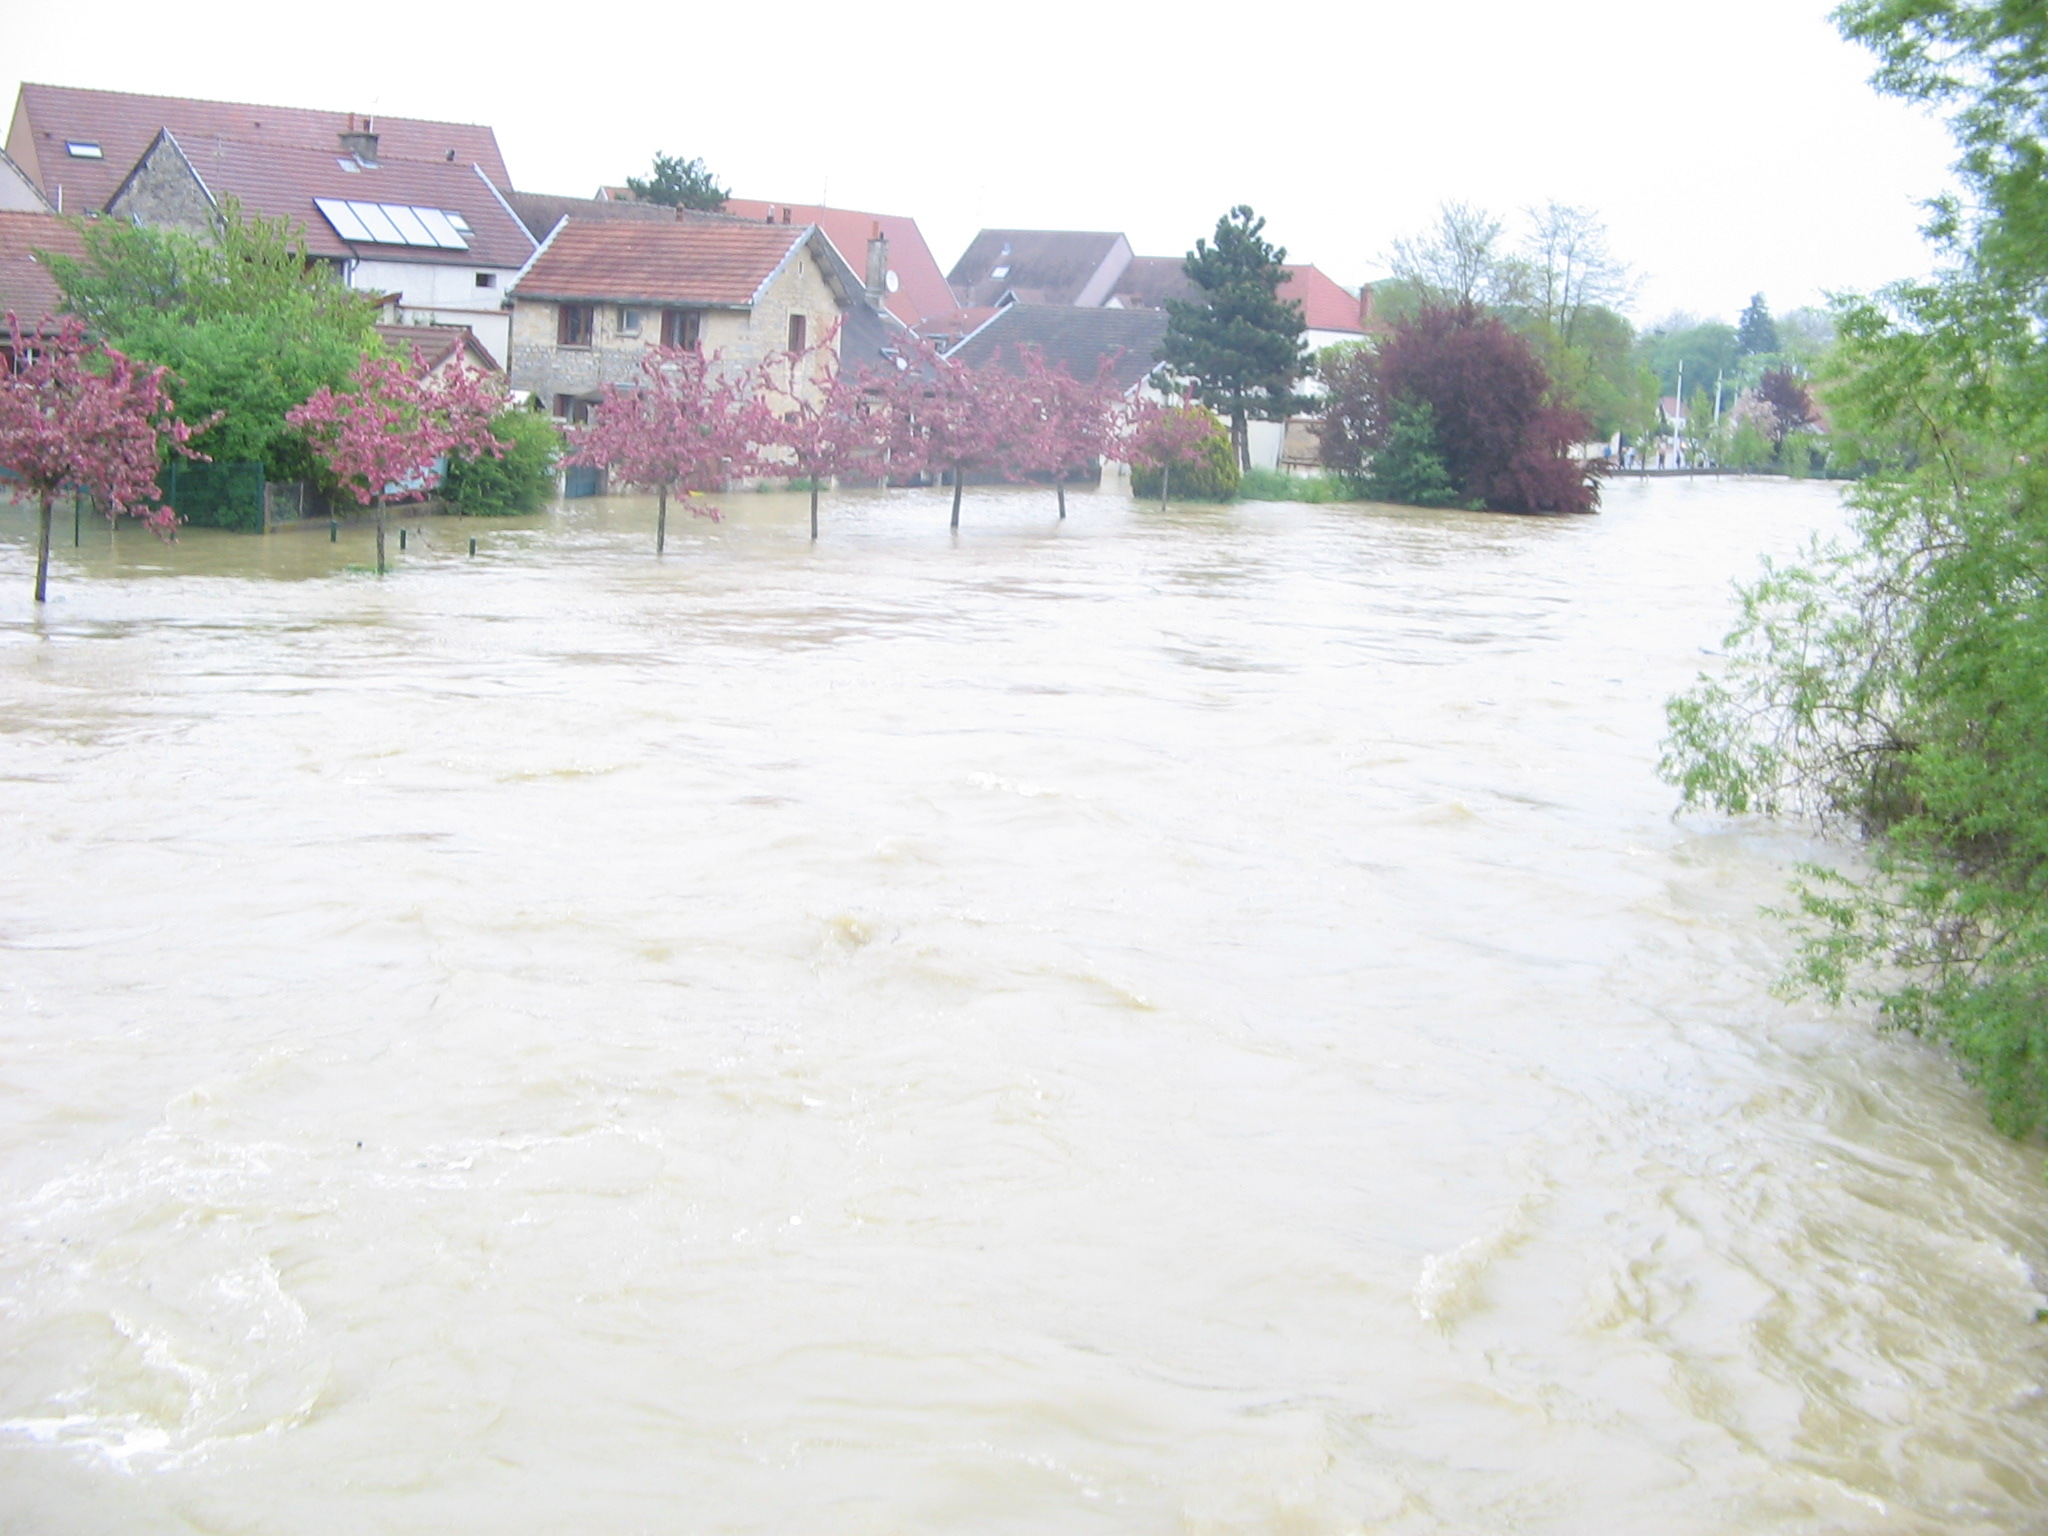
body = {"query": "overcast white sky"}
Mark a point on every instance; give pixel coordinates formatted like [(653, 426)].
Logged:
[(1730, 148)]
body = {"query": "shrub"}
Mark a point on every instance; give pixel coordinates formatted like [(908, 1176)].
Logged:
[(522, 481), (1408, 468), (1212, 477)]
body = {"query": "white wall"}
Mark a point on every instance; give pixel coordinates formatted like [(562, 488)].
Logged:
[(439, 293)]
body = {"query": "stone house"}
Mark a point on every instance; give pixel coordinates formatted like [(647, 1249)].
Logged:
[(433, 236), (599, 293)]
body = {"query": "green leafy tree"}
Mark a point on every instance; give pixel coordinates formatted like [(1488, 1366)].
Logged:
[(249, 325), (1895, 682), (680, 183), (1409, 467), (1239, 348), (518, 481), (1756, 332)]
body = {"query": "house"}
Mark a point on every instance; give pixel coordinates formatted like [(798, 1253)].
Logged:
[(1078, 340), (436, 233), (1039, 266), (600, 292), (440, 347), (27, 290), (78, 145), (914, 287), (18, 191)]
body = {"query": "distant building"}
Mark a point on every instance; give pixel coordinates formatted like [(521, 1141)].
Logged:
[(27, 290), (913, 286), (1039, 266), (1079, 340)]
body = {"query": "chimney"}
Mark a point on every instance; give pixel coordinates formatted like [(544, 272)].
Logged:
[(878, 266), (785, 215), (1365, 320), (360, 142)]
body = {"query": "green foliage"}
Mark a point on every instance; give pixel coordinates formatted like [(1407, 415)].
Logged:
[(1707, 349), (1598, 371), (1239, 349), (1756, 331), (1214, 476), (680, 183), (248, 325), (221, 494), (1409, 467), (1273, 485), (1896, 682), (520, 482)]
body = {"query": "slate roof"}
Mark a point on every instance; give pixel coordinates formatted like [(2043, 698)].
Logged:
[(1054, 265), (921, 289), (274, 183), (123, 124), (719, 264), (26, 288), (1072, 338), (1149, 281), (542, 211)]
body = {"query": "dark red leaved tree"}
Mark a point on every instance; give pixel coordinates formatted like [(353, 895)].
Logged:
[(1505, 445), (822, 419)]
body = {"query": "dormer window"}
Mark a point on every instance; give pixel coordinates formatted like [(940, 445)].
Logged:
[(83, 149), (1000, 273)]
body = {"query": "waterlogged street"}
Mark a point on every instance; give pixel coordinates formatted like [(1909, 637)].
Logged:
[(1186, 1022)]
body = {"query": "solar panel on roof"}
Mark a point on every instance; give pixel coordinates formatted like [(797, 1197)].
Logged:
[(342, 217), (408, 224), (381, 229), (442, 228)]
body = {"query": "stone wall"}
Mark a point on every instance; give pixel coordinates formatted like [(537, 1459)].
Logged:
[(164, 193)]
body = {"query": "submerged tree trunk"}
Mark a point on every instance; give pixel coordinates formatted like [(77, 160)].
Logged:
[(43, 553), (1241, 438), (380, 533), (661, 520), (956, 498), (1059, 484), (1165, 480), (814, 509)]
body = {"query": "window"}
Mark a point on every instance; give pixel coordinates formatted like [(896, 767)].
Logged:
[(629, 321), (572, 410), (83, 149), (682, 328), (796, 333), (487, 279), (573, 325)]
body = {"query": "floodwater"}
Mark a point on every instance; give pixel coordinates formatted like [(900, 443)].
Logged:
[(1188, 1022)]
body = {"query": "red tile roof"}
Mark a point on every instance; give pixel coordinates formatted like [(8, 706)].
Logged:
[(47, 116), (436, 344), (717, 264), (1325, 306), (26, 288), (921, 289), (282, 183)]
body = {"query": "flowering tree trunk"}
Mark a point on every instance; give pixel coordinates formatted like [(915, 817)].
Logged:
[(82, 416)]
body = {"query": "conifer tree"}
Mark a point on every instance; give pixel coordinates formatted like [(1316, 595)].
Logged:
[(1239, 349), (1756, 331)]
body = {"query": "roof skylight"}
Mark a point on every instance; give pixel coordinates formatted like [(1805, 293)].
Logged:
[(83, 149), (394, 224)]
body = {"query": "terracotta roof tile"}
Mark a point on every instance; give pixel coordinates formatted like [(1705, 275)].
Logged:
[(278, 183), (1325, 306), (437, 343), (921, 290), (719, 263), (26, 288), (542, 211), (123, 124)]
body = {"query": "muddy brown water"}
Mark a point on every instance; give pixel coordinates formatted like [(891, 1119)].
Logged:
[(1195, 1022)]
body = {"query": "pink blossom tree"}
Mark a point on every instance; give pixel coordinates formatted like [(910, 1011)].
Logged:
[(1064, 422), (686, 427), (1163, 436), (383, 433), (827, 420), (80, 416), (948, 416)]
